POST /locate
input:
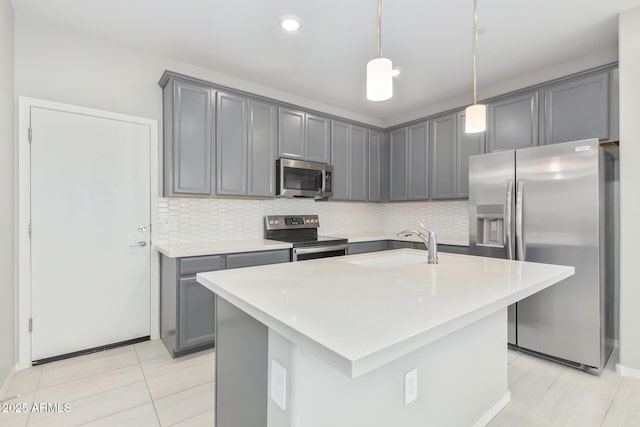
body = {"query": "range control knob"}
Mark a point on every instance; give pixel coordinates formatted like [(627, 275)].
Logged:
[(315, 220), (276, 222), (307, 221), (270, 222)]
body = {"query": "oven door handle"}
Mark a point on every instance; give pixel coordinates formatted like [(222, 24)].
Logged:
[(317, 250)]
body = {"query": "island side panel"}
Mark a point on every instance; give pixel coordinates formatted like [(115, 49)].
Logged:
[(241, 368), (462, 381)]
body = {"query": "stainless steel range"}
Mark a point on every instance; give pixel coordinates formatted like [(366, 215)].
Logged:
[(302, 232)]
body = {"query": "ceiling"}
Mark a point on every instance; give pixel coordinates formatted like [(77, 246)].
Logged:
[(430, 41)]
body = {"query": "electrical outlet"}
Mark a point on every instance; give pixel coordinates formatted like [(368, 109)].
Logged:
[(279, 384), (410, 386)]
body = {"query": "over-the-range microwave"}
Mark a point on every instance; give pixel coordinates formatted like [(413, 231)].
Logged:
[(299, 178)]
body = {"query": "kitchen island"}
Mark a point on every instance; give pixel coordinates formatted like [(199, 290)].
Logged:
[(328, 342)]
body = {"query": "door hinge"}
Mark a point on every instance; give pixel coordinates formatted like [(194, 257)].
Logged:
[(30, 134), (30, 325), (30, 230)]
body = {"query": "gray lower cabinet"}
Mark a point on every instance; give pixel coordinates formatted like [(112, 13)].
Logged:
[(467, 144), (443, 157), (187, 309), (231, 144), (350, 160), (577, 109), (513, 122), (366, 247), (304, 136), (188, 138)]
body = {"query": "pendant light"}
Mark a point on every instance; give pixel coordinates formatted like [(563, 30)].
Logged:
[(476, 114), (379, 70)]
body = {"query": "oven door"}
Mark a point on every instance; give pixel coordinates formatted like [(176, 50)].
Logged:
[(315, 252), (298, 178)]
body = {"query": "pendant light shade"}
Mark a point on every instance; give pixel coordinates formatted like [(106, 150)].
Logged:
[(475, 118), (379, 70), (379, 79), (476, 114)]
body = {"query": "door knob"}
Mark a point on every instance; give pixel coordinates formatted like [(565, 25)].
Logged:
[(140, 243), (142, 229)]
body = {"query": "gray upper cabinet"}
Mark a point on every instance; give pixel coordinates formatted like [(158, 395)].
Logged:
[(577, 109), (291, 136), (359, 164), (443, 157), (304, 136), (263, 128), (513, 122), (418, 162), (231, 145), (350, 160), (188, 139), (340, 134), (376, 159), (318, 142), (398, 165), (467, 144)]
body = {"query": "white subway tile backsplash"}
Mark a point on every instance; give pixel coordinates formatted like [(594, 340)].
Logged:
[(186, 220)]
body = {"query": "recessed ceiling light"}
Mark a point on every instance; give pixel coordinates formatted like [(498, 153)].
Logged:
[(290, 23), (395, 72)]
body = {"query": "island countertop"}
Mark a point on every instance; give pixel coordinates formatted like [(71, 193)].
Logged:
[(360, 312)]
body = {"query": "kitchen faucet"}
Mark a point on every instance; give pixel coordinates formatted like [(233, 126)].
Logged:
[(429, 239)]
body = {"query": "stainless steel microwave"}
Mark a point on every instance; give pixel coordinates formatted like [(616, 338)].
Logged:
[(298, 178)]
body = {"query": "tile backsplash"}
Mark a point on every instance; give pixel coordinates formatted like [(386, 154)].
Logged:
[(186, 220)]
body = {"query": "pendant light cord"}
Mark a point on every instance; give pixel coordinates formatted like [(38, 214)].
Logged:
[(379, 28), (475, 50)]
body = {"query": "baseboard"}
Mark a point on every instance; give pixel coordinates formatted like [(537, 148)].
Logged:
[(495, 410), (627, 372), (7, 381)]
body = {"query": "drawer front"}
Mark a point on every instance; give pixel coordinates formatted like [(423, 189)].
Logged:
[(251, 259), (399, 244), (452, 249), (199, 264)]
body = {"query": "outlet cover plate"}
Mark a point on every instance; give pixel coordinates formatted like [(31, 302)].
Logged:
[(410, 386)]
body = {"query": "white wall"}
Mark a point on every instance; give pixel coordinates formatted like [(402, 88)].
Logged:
[(57, 65), (629, 45), (7, 103)]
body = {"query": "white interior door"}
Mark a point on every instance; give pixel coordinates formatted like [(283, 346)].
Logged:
[(90, 208)]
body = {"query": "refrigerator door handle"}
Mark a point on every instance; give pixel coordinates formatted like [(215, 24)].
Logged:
[(519, 230), (508, 214)]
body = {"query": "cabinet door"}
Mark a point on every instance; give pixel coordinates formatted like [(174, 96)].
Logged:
[(318, 139), (189, 123), (291, 136), (375, 166), (443, 157), (197, 318), (262, 149), (359, 163), (577, 109), (418, 161), (513, 122), (231, 145), (467, 144), (340, 160), (398, 165)]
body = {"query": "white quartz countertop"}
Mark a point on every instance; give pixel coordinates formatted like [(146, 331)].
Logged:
[(360, 312), (179, 250), (370, 237)]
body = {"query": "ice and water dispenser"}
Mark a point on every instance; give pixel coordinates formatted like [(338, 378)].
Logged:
[(490, 225)]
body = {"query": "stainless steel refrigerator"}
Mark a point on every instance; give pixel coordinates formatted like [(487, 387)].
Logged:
[(550, 204)]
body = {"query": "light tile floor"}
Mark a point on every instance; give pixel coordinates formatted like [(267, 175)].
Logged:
[(141, 385), (138, 385)]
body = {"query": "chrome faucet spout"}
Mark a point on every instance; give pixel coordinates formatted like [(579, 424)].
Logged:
[(430, 241)]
